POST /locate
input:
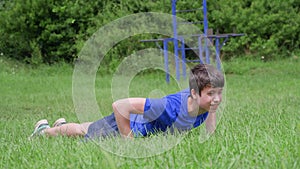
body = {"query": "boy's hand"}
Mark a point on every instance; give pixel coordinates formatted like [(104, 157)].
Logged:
[(211, 123)]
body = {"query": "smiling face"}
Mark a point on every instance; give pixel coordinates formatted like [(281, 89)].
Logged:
[(208, 101), (206, 84)]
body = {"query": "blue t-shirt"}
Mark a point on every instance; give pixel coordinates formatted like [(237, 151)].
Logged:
[(165, 113)]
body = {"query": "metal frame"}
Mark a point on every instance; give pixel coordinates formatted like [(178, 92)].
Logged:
[(201, 47)]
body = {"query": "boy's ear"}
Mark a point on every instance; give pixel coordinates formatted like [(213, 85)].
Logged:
[(193, 93)]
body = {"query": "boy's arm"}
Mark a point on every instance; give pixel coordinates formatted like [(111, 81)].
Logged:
[(211, 123), (122, 109)]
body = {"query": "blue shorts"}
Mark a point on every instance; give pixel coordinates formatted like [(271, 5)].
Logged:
[(102, 128)]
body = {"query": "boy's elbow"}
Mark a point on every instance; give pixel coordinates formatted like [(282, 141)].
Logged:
[(114, 106)]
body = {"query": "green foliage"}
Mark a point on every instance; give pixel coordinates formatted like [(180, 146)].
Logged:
[(50, 28), (271, 27), (52, 31)]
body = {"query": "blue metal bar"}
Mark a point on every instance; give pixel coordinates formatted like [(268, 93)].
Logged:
[(176, 59), (175, 40), (152, 40), (224, 41), (207, 51), (218, 60), (165, 44), (157, 44), (205, 21), (183, 57), (193, 60), (200, 49)]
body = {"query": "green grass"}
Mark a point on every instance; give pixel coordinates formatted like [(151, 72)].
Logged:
[(259, 127)]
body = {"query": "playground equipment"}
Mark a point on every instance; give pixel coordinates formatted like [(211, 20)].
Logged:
[(205, 39)]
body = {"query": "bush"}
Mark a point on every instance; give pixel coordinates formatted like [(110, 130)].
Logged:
[(271, 27), (55, 30), (50, 28)]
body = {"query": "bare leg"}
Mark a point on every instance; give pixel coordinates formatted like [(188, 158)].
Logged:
[(69, 129)]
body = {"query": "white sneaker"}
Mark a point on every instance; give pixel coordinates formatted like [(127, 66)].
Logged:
[(39, 128), (59, 122)]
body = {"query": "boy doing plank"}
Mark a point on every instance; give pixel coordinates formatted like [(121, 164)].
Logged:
[(134, 117)]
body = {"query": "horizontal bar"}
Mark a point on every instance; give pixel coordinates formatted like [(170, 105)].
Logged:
[(197, 35), (197, 22), (189, 48), (188, 10), (214, 36), (157, 40), (193, 60), (224, 35), (152, 40)]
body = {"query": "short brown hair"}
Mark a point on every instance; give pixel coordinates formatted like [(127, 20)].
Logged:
[(205, 75)]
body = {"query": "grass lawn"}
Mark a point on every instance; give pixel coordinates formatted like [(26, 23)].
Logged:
[(259, 127)]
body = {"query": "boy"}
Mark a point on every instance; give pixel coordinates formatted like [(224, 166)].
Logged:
[(134, 117)]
